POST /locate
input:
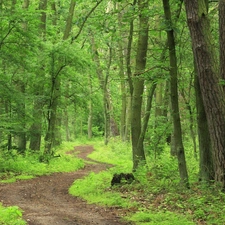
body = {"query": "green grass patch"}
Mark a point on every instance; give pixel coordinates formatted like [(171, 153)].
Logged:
[(116, 153), (11, 216), (14, 166), (95, 188), (159, 218)]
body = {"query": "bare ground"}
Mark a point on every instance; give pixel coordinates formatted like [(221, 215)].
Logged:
[(45, 200)]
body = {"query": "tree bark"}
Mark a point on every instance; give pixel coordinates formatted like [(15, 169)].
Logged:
[(206, 169), (90, 107), (129, 75), (208, 72), (146, 116), (36, 127), (138, 86), (174, 96), (222, 39), (123, 88)]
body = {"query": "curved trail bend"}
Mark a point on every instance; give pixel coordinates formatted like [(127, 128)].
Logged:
[(45, 200)]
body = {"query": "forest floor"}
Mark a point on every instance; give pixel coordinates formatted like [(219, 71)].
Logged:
[(45, 199)]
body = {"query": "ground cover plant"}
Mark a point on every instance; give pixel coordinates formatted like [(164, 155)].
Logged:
[(15, 166), (156, 197), (11, 216)]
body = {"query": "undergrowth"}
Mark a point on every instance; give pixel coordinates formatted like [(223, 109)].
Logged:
[(156, 196), (11, 216), (14, 166)]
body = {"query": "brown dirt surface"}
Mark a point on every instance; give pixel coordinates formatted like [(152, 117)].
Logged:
[(45, 200)]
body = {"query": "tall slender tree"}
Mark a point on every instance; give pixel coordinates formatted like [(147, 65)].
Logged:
[(138, 85), (174, 96), (36, 127)]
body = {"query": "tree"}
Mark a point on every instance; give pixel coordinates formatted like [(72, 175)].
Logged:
[(103, 81), (138, 85), (206, 169), (174, 96), (36, 127), (208, 74)]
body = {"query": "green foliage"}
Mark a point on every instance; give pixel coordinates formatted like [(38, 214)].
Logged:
[(116, 153), (17, 166), (159, 218), (11, 216)]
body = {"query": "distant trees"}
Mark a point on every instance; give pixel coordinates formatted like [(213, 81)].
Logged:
[(39, 70)]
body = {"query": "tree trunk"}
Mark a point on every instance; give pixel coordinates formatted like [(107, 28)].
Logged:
[(36, 127), (8, 110), (129, 75), (174, 97), (123, 94), (206, 170), (107, 102), (128, 119), (138, 86), (158, 101), (191, 119), (53, 119), (52, 112), (222, 39), (66, 124), (208, 70), (90, 107), (69, 20), (146, 116), (21, 110), (123, 89), (103, 81)]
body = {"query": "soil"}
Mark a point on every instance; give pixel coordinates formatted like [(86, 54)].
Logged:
[(45, 200)]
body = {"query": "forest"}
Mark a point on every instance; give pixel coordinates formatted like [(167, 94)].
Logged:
[(139, 82)]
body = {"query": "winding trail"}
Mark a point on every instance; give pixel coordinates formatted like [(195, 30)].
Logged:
[(45, 199)]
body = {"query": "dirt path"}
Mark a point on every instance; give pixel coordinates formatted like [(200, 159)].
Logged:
[(45, 200)]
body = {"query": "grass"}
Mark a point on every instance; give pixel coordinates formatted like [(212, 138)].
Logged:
[(157, 197), (159, 218), (14, 166), (93, 189)]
